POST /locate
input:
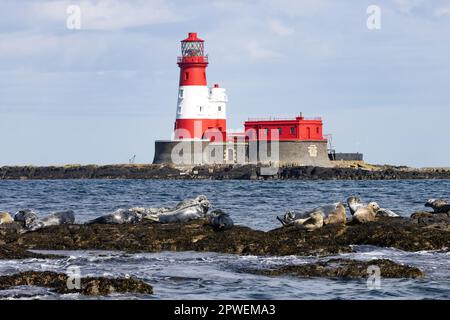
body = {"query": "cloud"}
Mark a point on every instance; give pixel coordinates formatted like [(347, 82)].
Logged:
[(256, 51), (279, 28), (442, 11), (109, 14), (407, 6), (295, 7)]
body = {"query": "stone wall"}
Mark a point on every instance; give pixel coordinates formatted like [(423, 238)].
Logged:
[(303, 153)]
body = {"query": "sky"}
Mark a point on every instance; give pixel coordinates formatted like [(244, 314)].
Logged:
[(105, 92)]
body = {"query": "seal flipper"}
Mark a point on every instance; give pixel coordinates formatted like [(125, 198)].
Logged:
[(282, 221)]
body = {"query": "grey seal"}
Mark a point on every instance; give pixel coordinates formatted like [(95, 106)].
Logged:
[(366, 214), (54, 219), (355, 203), (311, 223), (120, 216), (183, 214), (26, 217), (332, 213), (186, 210), (438, 205), (220, 220), (149, 213)]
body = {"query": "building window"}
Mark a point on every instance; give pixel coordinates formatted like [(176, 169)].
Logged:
[(317, 130), (220, 108), (186, 76), (292, 130), (181, 93), (201, 109), (179, 109), (280, 131)]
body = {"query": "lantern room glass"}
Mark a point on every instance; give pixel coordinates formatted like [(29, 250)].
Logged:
[(192, 49)]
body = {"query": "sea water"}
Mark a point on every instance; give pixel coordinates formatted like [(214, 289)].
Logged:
[(195, 275)]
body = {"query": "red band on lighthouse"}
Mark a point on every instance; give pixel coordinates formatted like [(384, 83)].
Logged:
[(193, 61)]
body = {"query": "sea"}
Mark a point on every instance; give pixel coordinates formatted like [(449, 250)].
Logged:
[(209, 275)]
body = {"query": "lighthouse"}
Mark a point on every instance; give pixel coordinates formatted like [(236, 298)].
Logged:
[(201, 111), (200, 131)]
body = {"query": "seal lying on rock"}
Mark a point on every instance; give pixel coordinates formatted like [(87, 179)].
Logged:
[(313, 222), (355, 203), (182, 214), (220, 220), (332, 213), (337, 215), (184, 211), (5, 218), (119, 216), (148, 213), (54, 219), (25, 217), (366, 214), (438, 205)]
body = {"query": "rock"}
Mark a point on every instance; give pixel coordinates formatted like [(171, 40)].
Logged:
[(421, 214), (344, 268), (217, 172), (92, 286), (437, 221), (401, 233), (10, 252)]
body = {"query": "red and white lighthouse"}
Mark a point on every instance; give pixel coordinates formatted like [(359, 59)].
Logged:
[(201, 111)]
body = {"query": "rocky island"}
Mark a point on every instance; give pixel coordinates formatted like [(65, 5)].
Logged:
[(347, 171)]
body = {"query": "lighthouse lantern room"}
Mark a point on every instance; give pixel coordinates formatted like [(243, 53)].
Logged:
[(201, 111)]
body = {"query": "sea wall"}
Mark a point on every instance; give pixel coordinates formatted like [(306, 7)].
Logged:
[(217, 172)]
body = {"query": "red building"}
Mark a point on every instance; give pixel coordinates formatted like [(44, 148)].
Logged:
[(297, 129)]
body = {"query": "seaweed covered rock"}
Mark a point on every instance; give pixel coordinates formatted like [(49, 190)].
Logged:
[(218, 172), (402, 233), (432, 220), (12, 252), (91, 286), (344, 268)]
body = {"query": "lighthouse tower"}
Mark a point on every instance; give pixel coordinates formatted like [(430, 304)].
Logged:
[(201, 111)]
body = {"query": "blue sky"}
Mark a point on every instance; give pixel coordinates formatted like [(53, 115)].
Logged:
[(107, 91)]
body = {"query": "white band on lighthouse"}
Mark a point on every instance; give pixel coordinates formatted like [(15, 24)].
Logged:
[(199, 102)]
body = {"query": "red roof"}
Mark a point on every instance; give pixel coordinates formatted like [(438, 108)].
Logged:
[(192, 37)]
